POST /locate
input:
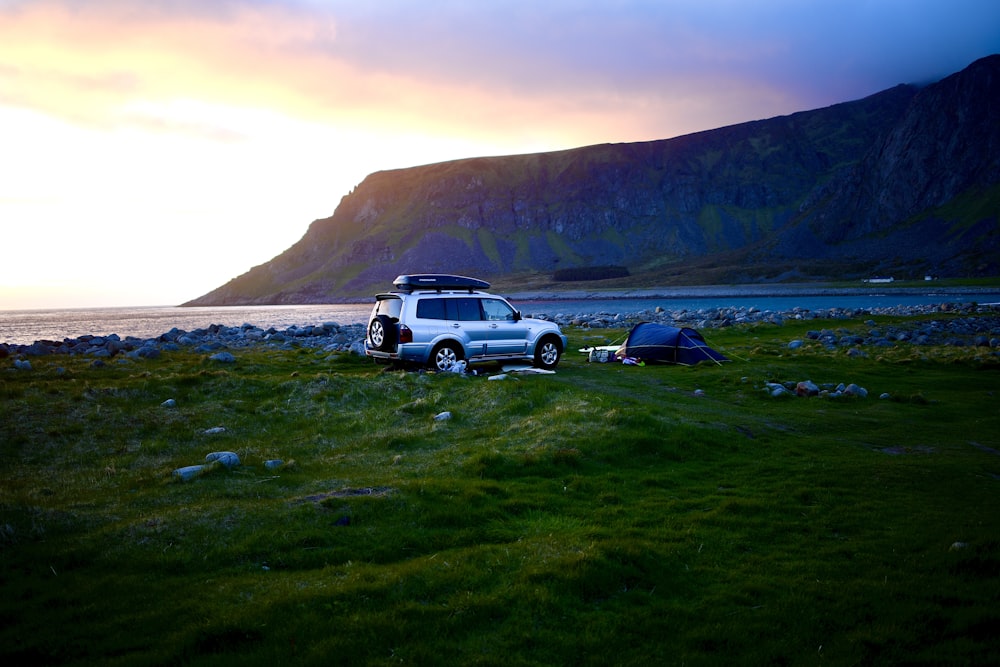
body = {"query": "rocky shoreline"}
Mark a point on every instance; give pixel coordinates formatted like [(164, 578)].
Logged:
[(964, 324)]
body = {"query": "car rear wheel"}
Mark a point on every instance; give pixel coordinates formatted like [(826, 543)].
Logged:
[(445, 355), (382, 333), (548, 352)]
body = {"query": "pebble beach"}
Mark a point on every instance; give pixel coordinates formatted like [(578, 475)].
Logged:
[(945, 323)]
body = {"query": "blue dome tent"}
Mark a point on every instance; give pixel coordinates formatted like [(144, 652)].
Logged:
[(652, 342)]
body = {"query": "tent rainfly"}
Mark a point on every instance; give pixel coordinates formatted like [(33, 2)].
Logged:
[(654, 342)]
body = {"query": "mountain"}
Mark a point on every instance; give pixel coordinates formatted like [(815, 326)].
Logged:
[(904, 181)]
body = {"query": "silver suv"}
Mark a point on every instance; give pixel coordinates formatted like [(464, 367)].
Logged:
[(438, 320)]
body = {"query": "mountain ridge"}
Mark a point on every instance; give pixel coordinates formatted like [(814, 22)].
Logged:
[(846, 190)]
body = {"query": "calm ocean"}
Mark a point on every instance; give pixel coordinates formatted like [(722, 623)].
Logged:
[(26, 326)]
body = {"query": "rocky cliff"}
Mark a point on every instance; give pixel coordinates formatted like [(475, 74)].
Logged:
[(925, 196), (907, 179)]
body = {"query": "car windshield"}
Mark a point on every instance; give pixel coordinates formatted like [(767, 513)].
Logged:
[(495, 309)]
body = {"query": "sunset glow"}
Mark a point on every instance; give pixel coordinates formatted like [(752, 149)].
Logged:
[(152, 150)]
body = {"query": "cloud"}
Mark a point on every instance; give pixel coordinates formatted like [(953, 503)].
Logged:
[(87, 62), (573, 70), (630, 61)]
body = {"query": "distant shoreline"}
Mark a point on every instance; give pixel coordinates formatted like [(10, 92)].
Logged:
[(706, 292), (738, 291)]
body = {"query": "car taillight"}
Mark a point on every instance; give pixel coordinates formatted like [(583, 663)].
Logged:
[(405, 335)]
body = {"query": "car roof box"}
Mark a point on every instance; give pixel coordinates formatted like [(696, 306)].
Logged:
[(437, 281)]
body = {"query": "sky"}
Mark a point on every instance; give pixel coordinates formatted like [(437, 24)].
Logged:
[(150, 150)]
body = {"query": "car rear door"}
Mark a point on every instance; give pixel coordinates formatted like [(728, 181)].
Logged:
[(430, 320), (465, 321)]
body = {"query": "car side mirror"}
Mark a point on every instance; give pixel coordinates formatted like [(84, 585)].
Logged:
[(517, 315)]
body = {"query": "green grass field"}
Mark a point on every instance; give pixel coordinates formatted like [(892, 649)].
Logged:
[(604, 515)]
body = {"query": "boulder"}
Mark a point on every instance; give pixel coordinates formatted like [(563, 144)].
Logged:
[(854, 390), (189, 472), (228, 459), (806, 388)]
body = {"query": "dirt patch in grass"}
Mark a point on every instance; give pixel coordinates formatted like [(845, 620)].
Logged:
[(373, 491), (899, 450)]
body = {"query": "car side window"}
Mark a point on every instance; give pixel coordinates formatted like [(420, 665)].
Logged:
[(495, 309), (465, 309), (431, 309)]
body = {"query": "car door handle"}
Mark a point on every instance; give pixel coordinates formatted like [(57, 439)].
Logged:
[(455, 325), (494, 326)]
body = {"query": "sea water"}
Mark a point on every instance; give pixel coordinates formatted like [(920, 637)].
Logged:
[(26, 326)]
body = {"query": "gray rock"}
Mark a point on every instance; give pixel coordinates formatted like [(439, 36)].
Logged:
[(228, 459), (146, 352), (189, 472), (776, 389), (223, 358), (854, 390), (806, 388)]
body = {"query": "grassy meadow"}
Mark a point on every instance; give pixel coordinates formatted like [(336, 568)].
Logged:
[(604, 515)]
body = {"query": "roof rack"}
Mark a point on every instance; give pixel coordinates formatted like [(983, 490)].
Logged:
[(437, 282)]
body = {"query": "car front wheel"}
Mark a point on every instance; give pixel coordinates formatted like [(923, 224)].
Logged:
[(548, 352)]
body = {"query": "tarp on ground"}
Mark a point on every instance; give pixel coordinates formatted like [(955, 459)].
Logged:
[(653, 342)]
